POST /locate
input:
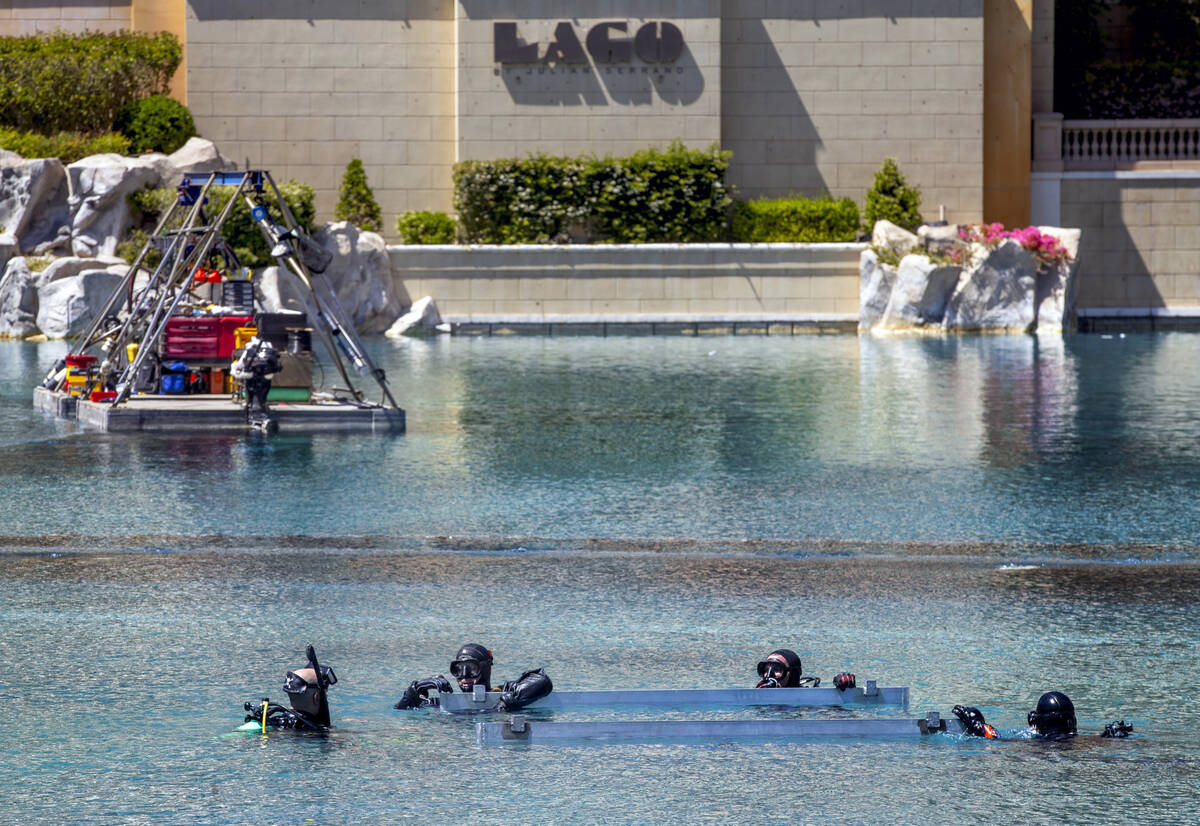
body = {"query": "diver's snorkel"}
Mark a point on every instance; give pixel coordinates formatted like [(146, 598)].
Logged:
[(323, 683)]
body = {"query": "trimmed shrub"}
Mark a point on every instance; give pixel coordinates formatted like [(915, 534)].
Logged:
[(155, 124), (425, 228), (796, 220), (78, 82), (892, 199), (240, 231), (66, 146), (356, 202), (672, 195)]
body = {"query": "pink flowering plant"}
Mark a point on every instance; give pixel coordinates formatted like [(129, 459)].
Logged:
[(1047, 249)]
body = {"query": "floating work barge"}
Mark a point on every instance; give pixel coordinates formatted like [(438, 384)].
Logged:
[(186, 344), (215, 414)]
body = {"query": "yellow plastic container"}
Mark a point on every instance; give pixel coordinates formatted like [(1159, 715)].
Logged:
[(242, 336), (131, 351)]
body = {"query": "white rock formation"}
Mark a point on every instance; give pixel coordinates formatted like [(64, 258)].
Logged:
[(361, 275), (422, 318), (18, 300), (996, 291), (900, 241), (875, 280), (33, 200), (1058, 286), (98, 187), (919, 295), (68, 305), (197, 155)]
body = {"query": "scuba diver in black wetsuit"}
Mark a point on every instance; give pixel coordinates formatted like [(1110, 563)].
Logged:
[(473, 666), (782, 669), (1053, 719), (307, 689)]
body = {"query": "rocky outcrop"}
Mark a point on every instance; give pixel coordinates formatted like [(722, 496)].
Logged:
[(33, 201), (897, 240), (99, 185), (18, 300), (875, 280), (1057, 286), (995, 292), (68, 305), (422, 318), (197, 155), (920, 292), (1003, 286), (360, 274)]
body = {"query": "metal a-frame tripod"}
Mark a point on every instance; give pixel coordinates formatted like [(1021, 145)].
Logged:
[(186, 248)]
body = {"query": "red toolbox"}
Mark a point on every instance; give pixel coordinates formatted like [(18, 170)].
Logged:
[(201, 337)]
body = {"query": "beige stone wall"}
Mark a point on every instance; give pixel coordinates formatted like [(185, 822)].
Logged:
[(1141, 240), (1043, 56), (633, 282), (512, 109), (814, 102), (19, 18), (302, 94)]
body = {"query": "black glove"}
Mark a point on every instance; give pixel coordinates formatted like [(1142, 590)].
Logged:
[(530, 686), (1117, 728), (973, 722), (417, 693), (843, 681)]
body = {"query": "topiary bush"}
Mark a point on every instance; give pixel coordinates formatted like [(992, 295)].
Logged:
[(892, 199), (155, 124), (795, 220), (66, 146), (356, 202), (240, 230), (425, 228), (62, 82), (672, 195)]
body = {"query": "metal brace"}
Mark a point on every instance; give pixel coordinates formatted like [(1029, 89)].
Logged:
[(478, 694), (872, 689), (515, 728), (932, 724)]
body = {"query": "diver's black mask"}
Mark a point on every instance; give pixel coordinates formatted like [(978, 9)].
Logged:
[(304, 696), (773, 669), (1052, 722), (466, 668)]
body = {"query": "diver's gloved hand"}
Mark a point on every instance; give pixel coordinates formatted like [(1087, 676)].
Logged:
[(1117, 728), (530, 686), (973, 722), (843, 681), (417, 693)]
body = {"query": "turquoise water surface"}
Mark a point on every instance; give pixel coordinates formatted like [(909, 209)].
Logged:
[(981, 519)]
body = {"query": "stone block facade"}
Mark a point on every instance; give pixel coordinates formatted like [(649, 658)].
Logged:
[(19, 19), (1141, 240), (632, 283)]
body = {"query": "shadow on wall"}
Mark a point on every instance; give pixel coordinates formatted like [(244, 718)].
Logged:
[(765, 123), (1118, 222)]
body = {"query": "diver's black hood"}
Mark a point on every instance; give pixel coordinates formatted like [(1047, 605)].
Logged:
[(795, 667), (1054, 715), (311, 700), (476, 653)]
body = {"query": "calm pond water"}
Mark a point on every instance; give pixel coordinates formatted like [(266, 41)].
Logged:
[(981, 519)]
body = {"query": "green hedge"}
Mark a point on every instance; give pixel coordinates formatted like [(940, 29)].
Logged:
[(240, 230), (795, 220), (66, 146), (672, 195), (78, 82), (425, 228)]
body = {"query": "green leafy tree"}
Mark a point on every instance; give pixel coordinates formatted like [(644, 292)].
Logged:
[(892, 199), (356, 202), (155, 124)]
